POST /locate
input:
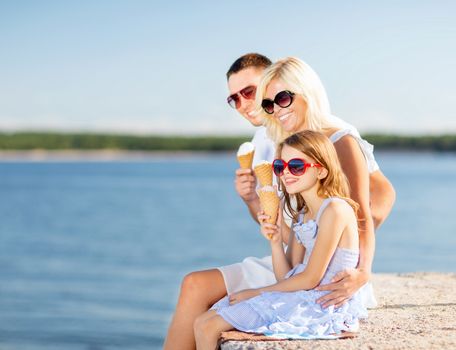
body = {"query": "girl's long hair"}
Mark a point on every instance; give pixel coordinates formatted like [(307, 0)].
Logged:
[(301, 79), (318, 147)]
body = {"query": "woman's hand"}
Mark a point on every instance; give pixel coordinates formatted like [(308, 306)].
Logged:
[(343, 285), (243, 295), (270, 231)]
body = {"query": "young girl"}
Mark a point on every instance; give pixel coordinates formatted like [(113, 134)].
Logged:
[(323, 241)]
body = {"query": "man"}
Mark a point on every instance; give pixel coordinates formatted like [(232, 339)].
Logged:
[(243, 78), (201, 289)]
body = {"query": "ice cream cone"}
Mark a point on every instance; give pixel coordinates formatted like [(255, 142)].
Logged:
[(263, 172), (245, 161), (269, 201), (245, 155)]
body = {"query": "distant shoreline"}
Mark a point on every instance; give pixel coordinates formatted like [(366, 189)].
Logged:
[(86, 142)]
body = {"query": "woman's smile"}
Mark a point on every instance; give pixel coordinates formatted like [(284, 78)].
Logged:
[(284, 116)]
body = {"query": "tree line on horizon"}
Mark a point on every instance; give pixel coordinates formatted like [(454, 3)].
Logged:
[(89, 141)]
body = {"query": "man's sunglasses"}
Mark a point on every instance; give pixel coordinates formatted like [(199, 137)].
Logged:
[(248, 93), (296, 166), (282, 99)]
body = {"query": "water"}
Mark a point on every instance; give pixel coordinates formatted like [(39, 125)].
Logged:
[(92, 254)]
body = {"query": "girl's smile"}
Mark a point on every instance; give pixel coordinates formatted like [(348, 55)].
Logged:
[(288, 181)]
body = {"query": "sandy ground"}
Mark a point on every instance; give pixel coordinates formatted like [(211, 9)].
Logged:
[(415, 311)]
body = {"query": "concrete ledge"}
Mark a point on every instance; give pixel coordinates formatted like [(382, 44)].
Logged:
[(416, 311)]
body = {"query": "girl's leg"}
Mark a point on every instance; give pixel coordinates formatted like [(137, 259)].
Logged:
[(199, 291), (208, 328)]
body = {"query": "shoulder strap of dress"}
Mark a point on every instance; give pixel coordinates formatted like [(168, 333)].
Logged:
[(339, 134), (324, 205)]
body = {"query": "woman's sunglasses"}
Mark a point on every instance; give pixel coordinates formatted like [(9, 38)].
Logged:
[(248, 93), (296, 166), (282, 99)]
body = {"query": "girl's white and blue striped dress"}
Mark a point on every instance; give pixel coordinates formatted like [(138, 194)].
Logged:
[(296, 314)]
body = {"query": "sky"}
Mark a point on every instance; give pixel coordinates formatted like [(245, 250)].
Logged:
[(158, 67)]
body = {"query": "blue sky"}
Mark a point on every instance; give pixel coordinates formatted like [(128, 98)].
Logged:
[(157, 67)]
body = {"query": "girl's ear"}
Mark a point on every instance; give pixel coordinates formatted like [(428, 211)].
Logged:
[(322, 173)]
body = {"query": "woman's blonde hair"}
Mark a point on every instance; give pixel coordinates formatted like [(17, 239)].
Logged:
[(318, 147), (302, 80)]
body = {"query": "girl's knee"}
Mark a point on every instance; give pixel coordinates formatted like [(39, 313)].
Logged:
[(198, 323), (203, 325)]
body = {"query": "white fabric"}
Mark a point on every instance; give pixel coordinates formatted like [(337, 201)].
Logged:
[(264, 146), (250, 273), (348, 129)]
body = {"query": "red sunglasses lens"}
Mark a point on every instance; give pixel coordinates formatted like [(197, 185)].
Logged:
[(278, 166), (248, 92), (233, 101), (297, 166)]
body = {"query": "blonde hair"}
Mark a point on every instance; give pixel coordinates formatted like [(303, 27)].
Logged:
[(302, 80), (318, 147)]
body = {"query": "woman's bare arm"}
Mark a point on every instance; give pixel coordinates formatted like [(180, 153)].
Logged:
[(346, 283), (382, 197)]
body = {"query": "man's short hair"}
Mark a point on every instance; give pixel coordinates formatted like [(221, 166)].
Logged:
[(255, 60)]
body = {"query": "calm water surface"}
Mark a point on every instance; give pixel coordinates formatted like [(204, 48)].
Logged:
[(92, 254)]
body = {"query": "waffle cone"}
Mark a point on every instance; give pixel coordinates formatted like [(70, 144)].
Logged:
[(269, 201), (264, 174), (245, 160)]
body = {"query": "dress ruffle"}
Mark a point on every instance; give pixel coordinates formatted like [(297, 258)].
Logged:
[(293, 315)]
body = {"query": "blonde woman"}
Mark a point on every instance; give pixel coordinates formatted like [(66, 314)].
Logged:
[(324, 241), (293, 99)]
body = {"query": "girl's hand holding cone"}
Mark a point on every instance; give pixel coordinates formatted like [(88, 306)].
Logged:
[(269, 202), (271, 232)]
